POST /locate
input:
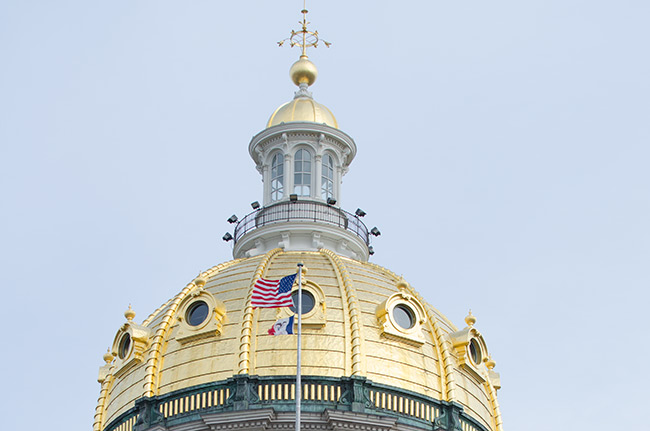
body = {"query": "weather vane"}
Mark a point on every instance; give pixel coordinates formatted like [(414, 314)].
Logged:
[(304, 38)]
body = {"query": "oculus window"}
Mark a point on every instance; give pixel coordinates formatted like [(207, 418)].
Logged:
[(308, 301), (197, 313)]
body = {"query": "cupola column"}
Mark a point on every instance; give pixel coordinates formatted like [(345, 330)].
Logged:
[(266, 181), (288, 173)]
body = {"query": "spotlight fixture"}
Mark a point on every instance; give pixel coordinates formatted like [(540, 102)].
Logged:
[(360, 213), (371, 250), (293, 198), (375, 231), (331, 201), (255, 205), (227, 237), (232, 219)]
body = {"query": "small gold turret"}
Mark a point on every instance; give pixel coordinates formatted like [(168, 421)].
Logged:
[(108, 356), (303, 73)]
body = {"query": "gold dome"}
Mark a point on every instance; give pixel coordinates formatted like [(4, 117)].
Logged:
[(352, 331), (303, 109)]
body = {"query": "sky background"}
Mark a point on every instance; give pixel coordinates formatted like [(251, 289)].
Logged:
[(502, 152)]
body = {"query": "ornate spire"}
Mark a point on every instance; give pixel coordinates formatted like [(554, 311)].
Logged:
[(303, 72), (304, 38)]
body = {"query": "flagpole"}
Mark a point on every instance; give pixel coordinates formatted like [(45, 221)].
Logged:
[(299, 341)]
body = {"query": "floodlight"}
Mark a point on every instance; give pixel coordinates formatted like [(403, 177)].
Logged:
[(360, 213), (227, 237), (371, 250), (255, 205), (293, 198), (232, 219), (331, 201), (375, 231)]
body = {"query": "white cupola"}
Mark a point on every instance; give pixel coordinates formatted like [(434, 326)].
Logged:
[(302, 156)]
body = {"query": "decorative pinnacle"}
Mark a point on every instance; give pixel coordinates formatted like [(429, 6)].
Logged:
[(108, 356), (129, 314), (304, 38), (199, 281), (470, 319), (402, 284)]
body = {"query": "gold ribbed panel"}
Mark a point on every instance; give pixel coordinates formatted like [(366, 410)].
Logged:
[(358, 359), (161, 334), (498, 422), (247, 323), (447, 380), (101, 401)]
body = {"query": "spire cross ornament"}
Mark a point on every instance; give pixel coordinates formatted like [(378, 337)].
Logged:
[(304, 38)]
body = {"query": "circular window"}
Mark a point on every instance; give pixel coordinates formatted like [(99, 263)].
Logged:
[(197, 313), (404, 316), (308, 301), (125, 346), (475, 352)]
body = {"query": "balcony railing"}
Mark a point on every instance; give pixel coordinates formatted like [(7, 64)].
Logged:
[(302, 211), (244, 392)]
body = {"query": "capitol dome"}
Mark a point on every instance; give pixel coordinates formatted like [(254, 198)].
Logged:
[(365, 350), (366, 322)]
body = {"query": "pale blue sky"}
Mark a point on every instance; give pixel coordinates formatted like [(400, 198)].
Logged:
[(503, 153)]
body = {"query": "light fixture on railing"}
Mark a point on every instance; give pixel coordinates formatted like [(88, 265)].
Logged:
[(255, 205), (331, 201), (232, 219), (371, 250), (375, 231), (227, 237), (293, 198), (360, 213)]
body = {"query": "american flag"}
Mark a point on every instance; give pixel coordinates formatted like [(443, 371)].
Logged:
[(273, 293)]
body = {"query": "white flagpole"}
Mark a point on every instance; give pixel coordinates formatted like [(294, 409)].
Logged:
[(299, 341)]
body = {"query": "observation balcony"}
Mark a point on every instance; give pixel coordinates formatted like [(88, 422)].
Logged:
[(301, 225)]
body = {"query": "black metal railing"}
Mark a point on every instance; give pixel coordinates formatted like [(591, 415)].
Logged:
[(307, 211), (244, 392)]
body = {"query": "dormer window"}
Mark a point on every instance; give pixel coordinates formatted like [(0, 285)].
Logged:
[(277, 177), (302, 173), (327, 177)]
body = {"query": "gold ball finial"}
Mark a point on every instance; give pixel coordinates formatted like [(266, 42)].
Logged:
[(470, 319), (303, 71), (303, 268), (108, 356), (199, 281), (402, 284), (129, 313), (490, 363)]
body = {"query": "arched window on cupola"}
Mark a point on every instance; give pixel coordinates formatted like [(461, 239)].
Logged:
[(327, 177), (302, 173), (277, 177)]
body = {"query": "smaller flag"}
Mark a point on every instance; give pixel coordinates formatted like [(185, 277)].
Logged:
[(282, 327), (273, 293)]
